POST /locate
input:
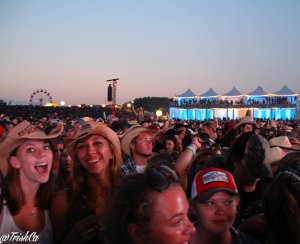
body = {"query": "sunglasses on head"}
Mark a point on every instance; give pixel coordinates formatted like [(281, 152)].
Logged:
[(158, 179), (61, 150)]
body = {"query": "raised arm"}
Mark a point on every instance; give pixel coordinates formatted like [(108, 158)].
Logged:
[(185, 158), (133, 110), (142, 113)]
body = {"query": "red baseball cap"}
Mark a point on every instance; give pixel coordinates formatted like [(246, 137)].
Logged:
[(153, 127), (230, 124), (210, 181)]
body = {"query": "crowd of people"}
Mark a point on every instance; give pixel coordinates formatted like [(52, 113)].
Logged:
[(145, 180)]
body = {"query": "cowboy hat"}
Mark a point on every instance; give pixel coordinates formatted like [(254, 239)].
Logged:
[(21, 133), (130, 134), (246, 120), (283, 142), (276, 154), (295, 143), (94, 128)]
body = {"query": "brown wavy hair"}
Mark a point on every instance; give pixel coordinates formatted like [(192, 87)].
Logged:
[(133, 202), (281, 210), (174, 140), (79, 197)]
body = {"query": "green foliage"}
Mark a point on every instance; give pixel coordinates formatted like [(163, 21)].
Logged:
[(125, 104), (152, 103)]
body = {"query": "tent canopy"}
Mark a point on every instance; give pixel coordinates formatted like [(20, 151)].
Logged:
[(258, 92), (188, 93), (209, 93), (233, 92), (285, 91)]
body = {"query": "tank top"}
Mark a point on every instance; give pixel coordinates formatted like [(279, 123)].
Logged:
[(8, 226)]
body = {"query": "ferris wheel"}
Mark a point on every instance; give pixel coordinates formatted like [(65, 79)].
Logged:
[(40, 97)]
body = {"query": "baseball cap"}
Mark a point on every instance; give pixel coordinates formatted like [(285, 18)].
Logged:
[(189, 131), (210, 181), (143, 122), (231, 124), (153, 127), (172, 132), (80, 122), (100, 120), (179, 125), (56, 121), (254, 152), (111, 116)]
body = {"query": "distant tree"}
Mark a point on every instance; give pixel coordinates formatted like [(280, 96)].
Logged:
[(152, 103), (125, 104)]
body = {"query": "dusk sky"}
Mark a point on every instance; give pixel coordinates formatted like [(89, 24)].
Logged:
[(155, 48)]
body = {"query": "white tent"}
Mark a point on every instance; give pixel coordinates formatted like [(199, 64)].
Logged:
[(188, 93), (285, 91), (233, 92), (258, 92), (209, 93)]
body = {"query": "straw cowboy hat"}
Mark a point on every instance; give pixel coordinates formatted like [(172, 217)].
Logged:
[(246, 120), (295, 143), (276, 154), (130, 134), (199, 152), (86, 119), (283, 142), (287, 128), (94, 128), (133, 122), (20, 134)]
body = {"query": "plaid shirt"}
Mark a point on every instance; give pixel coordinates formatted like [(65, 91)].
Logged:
[(128, 167)]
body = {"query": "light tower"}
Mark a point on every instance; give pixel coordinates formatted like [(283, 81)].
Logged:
[(113, 89)]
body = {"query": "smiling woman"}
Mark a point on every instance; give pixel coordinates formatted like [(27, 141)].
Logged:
[(149, 208), (77, 213), (214, 204), (26, 157)]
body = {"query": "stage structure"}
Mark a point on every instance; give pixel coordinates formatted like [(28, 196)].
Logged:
[(112, 93), (234, 104)]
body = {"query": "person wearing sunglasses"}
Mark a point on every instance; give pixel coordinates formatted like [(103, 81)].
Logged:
[(77, 213), (214, 205), (149, 208)]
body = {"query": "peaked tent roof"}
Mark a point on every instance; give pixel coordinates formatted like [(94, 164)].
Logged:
[(258, 92), (209, 93), (233, 92), (285, 91), (188, 93)]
